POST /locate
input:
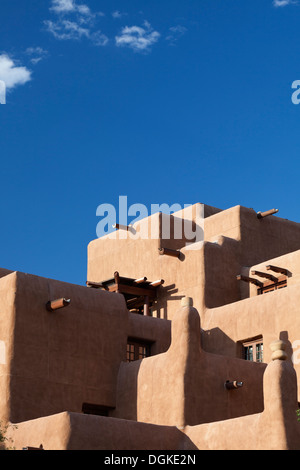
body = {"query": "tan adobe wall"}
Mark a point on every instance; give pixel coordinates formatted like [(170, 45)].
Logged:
[(137, 258), (234, 238), (156, 331), (273, 315), (274, 428), (185, 385), (75, 431), (289, 262), (58, 360), (261, 239)]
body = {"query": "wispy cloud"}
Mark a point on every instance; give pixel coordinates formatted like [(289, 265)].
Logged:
[(36, 54), (66, 29), (175, 33), (72, 30), (118, 14), (139, 39), (98, 38), (284, 3), (13, 74), (74, 21)]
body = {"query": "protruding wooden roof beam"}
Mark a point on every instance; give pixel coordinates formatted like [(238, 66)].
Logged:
[(250, 280), (169, 252), (53, 305), (277, 269), (121, 227), (140, 280), (95, 285), (266, 275), (262, 215), (157, 283)]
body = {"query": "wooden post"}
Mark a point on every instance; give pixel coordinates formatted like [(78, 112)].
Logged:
[(117, 281), (146, 306)]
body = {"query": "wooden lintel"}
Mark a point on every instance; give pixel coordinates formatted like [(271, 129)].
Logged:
[(124, 289), (279, 280), (137, 301)]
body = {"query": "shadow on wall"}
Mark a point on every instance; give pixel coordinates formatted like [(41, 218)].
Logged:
[(166, 294), (127, 385), (215, 341), (260, 240), (284, 336), (221, 265), (186, 385), (177, 232)]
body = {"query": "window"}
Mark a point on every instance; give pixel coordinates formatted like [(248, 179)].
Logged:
[(92, 409), (137, 349), (252, 350)]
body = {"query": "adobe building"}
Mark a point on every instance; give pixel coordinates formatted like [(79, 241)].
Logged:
[(172, 344)]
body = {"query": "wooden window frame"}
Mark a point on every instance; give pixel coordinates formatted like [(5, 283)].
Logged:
[(254, 342), (270, 286), (133, 349)]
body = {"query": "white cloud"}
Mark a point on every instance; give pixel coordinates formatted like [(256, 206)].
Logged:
[(69, 6), (11, 73), (137, 38), (65, 7), (284, 3)]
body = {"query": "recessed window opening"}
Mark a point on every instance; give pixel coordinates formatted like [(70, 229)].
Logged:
[(271, 287), (137, 349), (94, 409), (252, 350)]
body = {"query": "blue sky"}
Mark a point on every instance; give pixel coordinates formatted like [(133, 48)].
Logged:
[(178, 101)]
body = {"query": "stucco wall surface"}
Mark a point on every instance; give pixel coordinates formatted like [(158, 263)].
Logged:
[(58, 360), (275, 428), (186, 385)]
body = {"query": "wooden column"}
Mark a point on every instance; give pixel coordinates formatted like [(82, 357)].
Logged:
[(146, 306), (117, 281)]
